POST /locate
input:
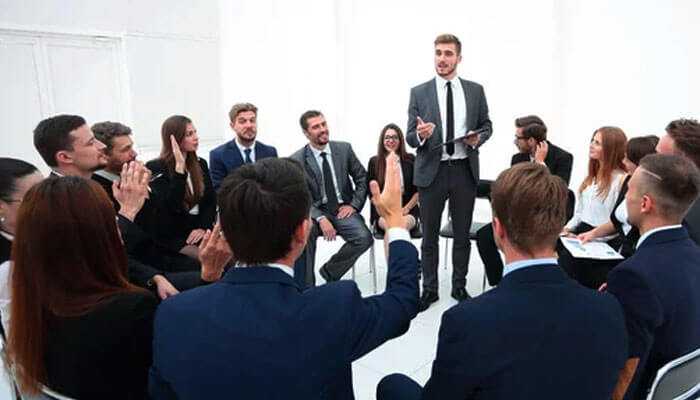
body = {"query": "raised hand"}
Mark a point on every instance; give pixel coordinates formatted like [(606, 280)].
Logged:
[(541, 152), (179, 157), (214, 254), (388, 201), (131, 190)]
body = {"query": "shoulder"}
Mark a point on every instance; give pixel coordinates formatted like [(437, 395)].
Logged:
[(137, 302), (341, 146), (410, 158), (218, 150), (423, 86), (266, 146), (372, 161), (299, 154), (518, 158), (156, 165), (471, 84), (203, 162)]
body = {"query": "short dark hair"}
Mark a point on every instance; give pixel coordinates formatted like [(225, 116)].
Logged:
[(673, 181), (107, 130), (12, 169), (531, 205), (53, 135), (239, 108), (638, 147), (528, 120), (686, 137), (532, 127), (448, 38), (261, 205), (304, 119)]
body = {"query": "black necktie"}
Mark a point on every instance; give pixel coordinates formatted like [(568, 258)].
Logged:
[(450, 147), (332, 198), (247, 156)]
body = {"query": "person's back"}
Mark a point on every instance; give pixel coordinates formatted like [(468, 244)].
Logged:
[(103, 354), (256, 333), (515, 341)]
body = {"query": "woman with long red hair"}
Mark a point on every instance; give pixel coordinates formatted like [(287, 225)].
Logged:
[(597, 195), (184, 195), (77, 325)]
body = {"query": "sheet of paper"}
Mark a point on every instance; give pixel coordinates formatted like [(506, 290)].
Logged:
[(595, 250)]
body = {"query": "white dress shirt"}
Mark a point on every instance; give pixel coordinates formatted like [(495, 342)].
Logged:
[(591, 208), (317, 155), (459, 103), (242, 149)]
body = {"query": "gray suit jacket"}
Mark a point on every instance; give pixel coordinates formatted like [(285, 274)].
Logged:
[(346, 166), (424, 104)]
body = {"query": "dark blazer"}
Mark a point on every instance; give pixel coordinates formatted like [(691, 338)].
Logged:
[(659, 289), (345, 165), (227, 157), (424, 103), (5, 248), (558, 160), (692, 222), (409, 189), (174, 222), (104, 354), (538, 335), (629, 240), (256, 335)]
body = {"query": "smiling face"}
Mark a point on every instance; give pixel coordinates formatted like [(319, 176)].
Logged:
[(317, 131), (391, 140), (87, 153), (446, 60)]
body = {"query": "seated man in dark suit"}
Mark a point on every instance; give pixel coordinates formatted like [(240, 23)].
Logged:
[(515, 341), (533, 146), (659, 286), (338, 185), (242, 149), (256, 334), (682, 138)]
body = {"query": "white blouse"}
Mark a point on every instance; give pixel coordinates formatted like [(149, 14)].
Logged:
[(621, 215), (591, 208)]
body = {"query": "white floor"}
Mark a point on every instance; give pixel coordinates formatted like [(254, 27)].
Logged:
[(412, 353)]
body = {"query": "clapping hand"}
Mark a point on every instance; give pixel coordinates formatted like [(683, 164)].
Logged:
[(179, 157)]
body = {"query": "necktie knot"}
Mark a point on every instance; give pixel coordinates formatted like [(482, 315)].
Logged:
[(248, 160)]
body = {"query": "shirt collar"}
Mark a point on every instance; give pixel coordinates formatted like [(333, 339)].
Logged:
[(655, 230), (240, 146), (514, 266), (55, 172), (442, 82), (107, 175), (317, 152), (284, 268)]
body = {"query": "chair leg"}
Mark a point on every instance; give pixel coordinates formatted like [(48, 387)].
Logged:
[(373, 267)]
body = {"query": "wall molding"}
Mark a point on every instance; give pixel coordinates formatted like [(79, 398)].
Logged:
[(47, 30)]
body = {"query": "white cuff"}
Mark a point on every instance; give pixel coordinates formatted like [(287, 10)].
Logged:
[(397, 234), (420, 141)]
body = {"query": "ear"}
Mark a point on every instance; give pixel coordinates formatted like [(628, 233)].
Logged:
[(498, 230), (231, 124), (301, 233), (648, 204), (63, 157)]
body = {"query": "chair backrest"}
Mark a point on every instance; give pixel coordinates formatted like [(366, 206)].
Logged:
[(679, 379)]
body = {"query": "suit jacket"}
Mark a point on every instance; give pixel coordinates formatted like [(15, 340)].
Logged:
[(345, 165), (659, 289), (257, 335), (692, 222), (173, 222), (5, 248), (629, 240), (228, 157), (104, 354), (538, 335), (558, 160), (409, 189), (424, 103)]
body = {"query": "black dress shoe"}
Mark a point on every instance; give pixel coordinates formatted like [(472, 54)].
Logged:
[(426, 300), (325, 274), (460, 294)]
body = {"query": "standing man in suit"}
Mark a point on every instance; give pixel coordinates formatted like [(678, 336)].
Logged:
[(659, 286), (683, 138), (515, 341), (441, 110), (256, 334), (533, 146), (242, 149), (338, 185)]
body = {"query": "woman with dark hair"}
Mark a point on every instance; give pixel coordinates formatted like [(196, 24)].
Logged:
[(16, 177), (78, 326), (391, 140), (184, 197), (596, 200), (637, 148)]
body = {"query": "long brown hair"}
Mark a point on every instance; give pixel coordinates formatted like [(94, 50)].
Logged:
[(68, 259), (382, 152), (176, 125), (614, 141)]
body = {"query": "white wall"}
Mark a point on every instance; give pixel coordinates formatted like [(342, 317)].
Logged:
[(170, 59)]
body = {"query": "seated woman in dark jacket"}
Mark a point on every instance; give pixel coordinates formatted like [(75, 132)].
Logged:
[(391, 140), (77, 325), (183, 194)]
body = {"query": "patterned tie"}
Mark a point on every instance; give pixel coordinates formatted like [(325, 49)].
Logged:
[(332, 198), (247, 156), (450, 147)]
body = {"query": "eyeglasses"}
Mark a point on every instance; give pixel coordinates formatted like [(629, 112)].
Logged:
[(390, 137), (520, 138)]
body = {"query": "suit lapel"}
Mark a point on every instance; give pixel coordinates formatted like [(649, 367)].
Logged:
[(237, 159), (435, 102), (340, 172), (468, 102), (312, 165)]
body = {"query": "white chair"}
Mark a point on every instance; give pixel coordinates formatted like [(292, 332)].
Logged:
[(416, 233), (678, 380)]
